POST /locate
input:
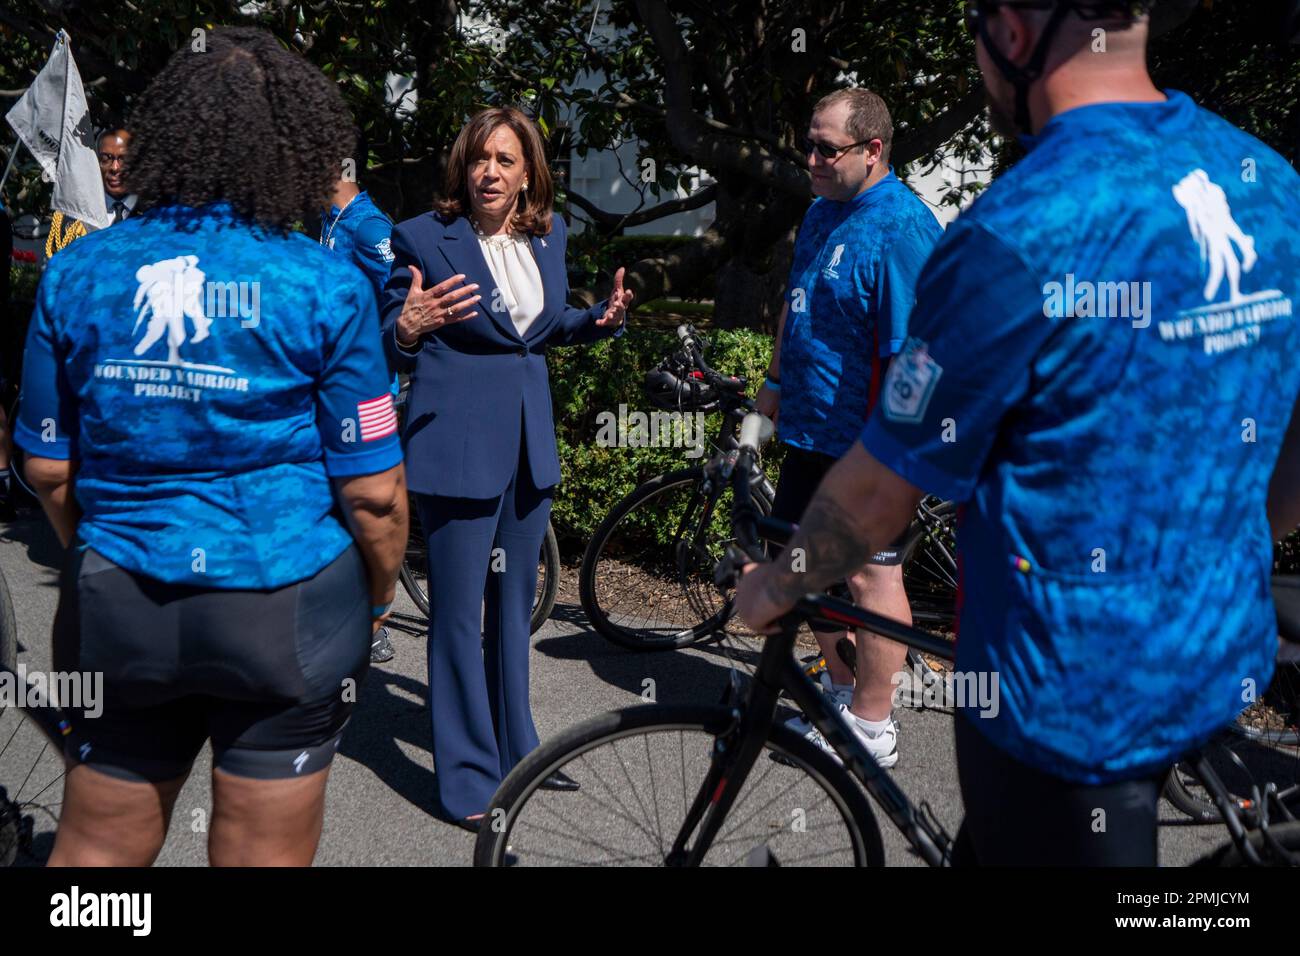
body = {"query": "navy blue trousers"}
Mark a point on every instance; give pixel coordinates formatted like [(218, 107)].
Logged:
[(483, 557)]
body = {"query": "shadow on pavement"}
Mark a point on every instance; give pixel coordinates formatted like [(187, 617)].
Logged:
[(385, 714), (679, 677), (31, 529)]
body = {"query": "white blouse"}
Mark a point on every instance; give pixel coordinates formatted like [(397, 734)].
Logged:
[(514, 269)]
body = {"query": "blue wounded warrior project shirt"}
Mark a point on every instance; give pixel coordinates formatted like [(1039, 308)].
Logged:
[(1102, 365), (360, 231), (852, 285), (209, 378)]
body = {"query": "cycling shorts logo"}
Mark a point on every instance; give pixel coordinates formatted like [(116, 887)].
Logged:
[(910, 383)]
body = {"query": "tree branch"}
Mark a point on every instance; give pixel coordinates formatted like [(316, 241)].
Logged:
[(939, 130), (615, 220), (690, 133)]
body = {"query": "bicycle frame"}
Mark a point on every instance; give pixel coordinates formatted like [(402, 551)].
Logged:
[(778, 671)]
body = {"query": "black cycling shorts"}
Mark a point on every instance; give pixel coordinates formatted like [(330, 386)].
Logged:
[(801, 472), (1017, 815), (268, 676)]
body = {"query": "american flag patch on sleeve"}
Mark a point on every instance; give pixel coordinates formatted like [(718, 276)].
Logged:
[(377, 417)]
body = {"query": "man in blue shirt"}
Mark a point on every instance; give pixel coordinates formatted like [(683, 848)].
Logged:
[(860, 249), (1101, 367), (357, 229)]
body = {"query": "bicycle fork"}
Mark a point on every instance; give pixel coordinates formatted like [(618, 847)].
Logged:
[(734, 754)]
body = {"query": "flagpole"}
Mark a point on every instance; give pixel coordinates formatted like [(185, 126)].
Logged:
[(13, 154)]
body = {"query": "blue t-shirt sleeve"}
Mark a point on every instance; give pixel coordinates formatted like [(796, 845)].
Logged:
[(976, 328), (372, 250), (900, 271), (47, 413), (355, 414)]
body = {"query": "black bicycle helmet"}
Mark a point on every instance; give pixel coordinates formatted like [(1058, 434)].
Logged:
[(1022, 77)]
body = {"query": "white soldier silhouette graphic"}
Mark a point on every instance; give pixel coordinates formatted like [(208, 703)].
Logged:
[(1214, 230), (836, 256), (170, 290)]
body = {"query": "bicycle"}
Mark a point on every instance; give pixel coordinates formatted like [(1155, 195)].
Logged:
[(25, 759), (802, 792), (414, 572), (645, 593), (1264, 740)]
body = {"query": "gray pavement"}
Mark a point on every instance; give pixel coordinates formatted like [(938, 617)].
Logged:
[(379, 805)]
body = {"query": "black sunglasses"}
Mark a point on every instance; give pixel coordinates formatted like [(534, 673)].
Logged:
[(827, 151)]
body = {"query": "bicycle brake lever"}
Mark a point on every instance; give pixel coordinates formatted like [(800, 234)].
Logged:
[(727, 571)]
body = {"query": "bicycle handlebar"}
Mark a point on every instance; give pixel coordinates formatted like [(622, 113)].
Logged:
[(746, 522), (693, 344)]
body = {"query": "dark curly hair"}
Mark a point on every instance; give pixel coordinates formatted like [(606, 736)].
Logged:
[(245, 121)]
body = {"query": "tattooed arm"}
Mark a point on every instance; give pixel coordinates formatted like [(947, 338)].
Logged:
[(860, 508)]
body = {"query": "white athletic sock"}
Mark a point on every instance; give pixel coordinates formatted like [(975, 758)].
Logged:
[(874, 728)]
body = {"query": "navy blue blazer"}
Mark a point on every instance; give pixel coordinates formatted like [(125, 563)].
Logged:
[(477, 389)]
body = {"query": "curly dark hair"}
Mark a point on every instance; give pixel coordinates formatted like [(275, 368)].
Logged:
[(245, 121)]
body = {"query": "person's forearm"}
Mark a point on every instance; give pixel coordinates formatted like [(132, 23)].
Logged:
[(379, 527), (849, 519), (1284, 488), (52, 480)]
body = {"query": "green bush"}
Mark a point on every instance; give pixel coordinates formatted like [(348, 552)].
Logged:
[(593, 379), (588, 380)]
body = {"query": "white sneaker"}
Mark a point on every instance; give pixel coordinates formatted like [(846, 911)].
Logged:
[(838, 698), (883, 746)]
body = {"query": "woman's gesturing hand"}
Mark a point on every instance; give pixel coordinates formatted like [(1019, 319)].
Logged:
[(428, 309), (619, 300)]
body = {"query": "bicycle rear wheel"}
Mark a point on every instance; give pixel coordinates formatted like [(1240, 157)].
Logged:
[(930, 565), (646, 581), (1286, 834), (640, 770), (414, 573), (1261, 746)]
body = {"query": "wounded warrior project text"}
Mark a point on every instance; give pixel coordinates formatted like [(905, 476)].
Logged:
[(169, 382)]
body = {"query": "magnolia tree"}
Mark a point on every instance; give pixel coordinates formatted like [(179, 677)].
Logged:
[(720, 90)]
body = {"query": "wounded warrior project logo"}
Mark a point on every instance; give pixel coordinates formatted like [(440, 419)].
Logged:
[(829, 272), (1226, 253), (174, 295)]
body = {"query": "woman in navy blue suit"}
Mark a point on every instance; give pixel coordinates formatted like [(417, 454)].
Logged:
[(477, 293)]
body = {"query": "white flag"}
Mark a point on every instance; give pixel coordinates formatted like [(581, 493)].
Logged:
[(53, 121)]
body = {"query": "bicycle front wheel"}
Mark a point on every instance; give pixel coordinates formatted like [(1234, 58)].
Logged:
[(646, 581), (639, 772)]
